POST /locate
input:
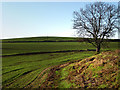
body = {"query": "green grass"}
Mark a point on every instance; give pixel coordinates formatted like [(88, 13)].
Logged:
[(19, 71), (15, 67), (17, 48)]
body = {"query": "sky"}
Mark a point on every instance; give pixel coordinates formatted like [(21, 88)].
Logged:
[(32, 19)]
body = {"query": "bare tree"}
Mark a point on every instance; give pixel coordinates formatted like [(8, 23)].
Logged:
[(98, 21)]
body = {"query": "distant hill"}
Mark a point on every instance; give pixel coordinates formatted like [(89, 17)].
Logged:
[(40, 39), (51, 39)]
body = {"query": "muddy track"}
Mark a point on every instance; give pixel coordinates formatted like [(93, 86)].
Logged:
[(52, 69), (51, 74), (32, 53)]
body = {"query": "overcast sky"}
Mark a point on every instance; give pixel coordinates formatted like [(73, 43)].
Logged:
[(31, 19)]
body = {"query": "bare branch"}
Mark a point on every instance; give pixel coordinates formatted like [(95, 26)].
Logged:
[(98, 21)]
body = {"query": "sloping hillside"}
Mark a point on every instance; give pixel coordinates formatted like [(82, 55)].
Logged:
[(99, 71)]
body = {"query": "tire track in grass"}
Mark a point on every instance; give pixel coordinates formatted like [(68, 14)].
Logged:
[(15, 78), (35, 84), (24, 80), (38, 78), (12, 71), (29, 85)]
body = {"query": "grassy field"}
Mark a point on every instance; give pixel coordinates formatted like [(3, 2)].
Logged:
[(20, 71), (15, 48)]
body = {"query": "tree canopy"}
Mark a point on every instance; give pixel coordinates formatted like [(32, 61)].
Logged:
[(98, 21)]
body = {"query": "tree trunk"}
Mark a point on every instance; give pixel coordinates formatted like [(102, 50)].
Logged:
[(98, 49)]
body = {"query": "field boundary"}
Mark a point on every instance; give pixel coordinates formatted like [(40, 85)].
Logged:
[(32, 53)]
